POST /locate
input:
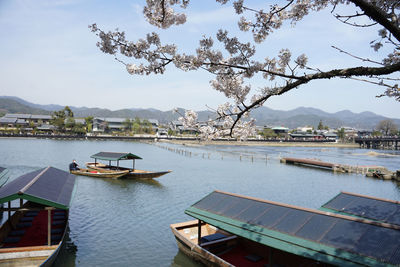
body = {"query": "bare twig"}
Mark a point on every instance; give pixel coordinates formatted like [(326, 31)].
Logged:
[(357, 57)]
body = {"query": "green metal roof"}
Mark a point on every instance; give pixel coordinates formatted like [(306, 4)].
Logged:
[(48, 186), (381, 210), (3, 176), (114, 156), (322, 236)]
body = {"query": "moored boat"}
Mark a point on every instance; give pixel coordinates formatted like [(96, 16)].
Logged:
[(98, 174), (116, 156), (234, 230), (38, 222)]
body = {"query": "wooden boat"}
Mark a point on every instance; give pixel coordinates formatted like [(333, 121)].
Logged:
[(116, 156), (38, 221), (97, 174), (131, 173), (234, 230)]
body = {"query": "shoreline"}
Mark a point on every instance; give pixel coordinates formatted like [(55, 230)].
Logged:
[(259, 143), (192, 142)]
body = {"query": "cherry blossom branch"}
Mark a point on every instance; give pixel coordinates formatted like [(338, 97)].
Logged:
[(357, 57), (345, 19), (348, 73), (376, 14), (236, 64)]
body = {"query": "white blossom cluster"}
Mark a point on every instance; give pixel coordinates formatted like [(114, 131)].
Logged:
[(161, 14), (236, 64)]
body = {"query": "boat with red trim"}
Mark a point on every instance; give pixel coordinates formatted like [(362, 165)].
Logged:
[(235, 230), (117, 156), (38, 211)]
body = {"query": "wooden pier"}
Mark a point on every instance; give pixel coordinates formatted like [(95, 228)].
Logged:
[(368, 170), (390, 142)]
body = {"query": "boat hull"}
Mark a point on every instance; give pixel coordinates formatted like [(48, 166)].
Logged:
[(98, 174), (33, 255), (192, 249), (132, 174)]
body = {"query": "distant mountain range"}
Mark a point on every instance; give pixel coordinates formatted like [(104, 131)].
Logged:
[(298, 117)]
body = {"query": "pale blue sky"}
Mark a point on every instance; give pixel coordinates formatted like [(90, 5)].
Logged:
[(49, 56)]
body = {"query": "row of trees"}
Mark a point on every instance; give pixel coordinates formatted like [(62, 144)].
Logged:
[(137, 126), (387, 127), (384, 128), (64, 121)]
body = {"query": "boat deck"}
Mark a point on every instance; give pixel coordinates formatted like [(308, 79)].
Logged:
[(31, 230), (239, 256), (237, 251)]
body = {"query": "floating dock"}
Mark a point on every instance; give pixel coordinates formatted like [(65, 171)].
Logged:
[(370, 171)]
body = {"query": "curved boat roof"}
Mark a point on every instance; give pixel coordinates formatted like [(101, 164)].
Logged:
[(3, 176), (322, 236), (377, 209), (114, 156), (48, 186)]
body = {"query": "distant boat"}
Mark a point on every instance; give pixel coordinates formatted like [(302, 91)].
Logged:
[(234, 230), (97, 174), (35, 229), (116, 156)]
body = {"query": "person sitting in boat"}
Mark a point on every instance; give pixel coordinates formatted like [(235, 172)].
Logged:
[(73, 166)]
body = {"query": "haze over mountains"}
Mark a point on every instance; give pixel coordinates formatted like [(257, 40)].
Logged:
[(298, 117)]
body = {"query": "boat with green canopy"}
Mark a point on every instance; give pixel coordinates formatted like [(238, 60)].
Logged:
[(117, 157), (37, 210), (235, 230)]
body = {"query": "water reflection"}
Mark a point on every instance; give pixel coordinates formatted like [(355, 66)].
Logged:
[(126, 183), (182, 260), (67, 255)]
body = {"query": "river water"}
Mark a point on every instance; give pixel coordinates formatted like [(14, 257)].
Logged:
[(126, 222)]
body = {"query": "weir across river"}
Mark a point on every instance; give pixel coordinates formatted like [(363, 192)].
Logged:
[(390, 142)]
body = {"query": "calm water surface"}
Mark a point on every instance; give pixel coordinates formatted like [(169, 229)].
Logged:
[(126, 222)]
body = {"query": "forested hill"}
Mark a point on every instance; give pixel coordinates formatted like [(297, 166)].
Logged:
[(298, 117)]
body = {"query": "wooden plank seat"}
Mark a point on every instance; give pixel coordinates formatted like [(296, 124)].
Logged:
[(59, 212), (57, 231), (31, 213), (17, 233), (11, 239), (253, 257), (26, 219), (23, 225), (59, 217), (218, 241), (57, 223), (212, 237)]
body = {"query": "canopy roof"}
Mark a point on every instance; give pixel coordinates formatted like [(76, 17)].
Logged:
[(48, 186), (3, 176), (381, 210), (322, 236), (114, 156)]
